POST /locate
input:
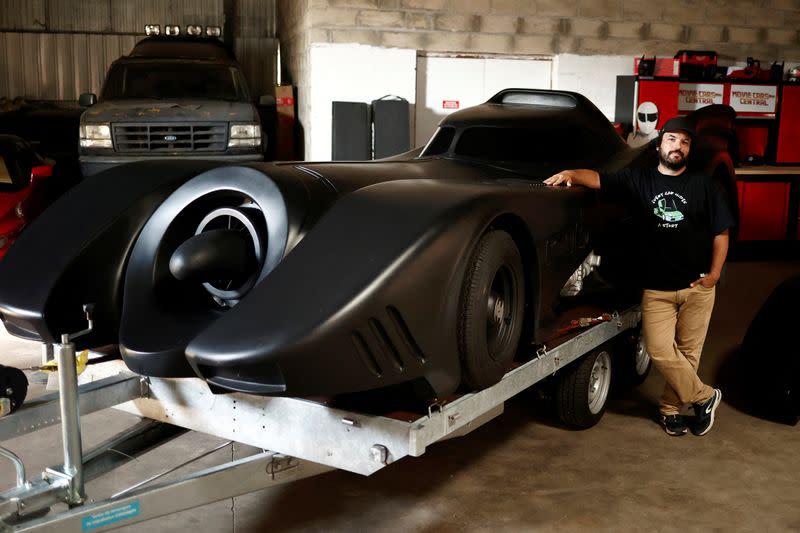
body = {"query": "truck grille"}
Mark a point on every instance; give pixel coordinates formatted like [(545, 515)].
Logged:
[(168, 138)]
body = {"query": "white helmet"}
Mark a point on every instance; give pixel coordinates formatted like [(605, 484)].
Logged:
[(647, 117)]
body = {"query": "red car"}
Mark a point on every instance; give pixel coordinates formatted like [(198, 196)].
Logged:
[(23, 187)]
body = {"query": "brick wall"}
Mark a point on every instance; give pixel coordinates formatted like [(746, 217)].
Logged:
[(614, 29), (736, 29)]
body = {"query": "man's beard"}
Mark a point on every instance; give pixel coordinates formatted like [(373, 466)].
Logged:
[(669, 164)]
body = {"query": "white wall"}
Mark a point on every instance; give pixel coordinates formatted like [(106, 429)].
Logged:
[(595, 77), (469, 81), (361, 73), (353, 73)]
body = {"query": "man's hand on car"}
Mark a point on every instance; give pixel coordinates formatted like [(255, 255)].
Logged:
[(562, 178)]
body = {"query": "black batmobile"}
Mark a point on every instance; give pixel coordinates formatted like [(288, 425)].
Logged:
[(433, 267)]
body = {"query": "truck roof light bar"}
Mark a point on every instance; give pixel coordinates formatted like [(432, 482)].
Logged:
[(172, 30), (213, 31), (194, 30), (152, 29)]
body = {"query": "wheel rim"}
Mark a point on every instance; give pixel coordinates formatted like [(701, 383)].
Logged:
[(642, 357), (500, 303), (599, 382)]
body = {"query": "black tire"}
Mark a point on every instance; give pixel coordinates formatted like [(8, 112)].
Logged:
[(14, 385), (632, 363), (582, 390), (488, 339)]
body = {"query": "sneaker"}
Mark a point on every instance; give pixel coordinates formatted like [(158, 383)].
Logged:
[(704, 413), (674, 425)]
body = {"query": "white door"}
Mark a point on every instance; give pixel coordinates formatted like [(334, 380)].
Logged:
[(446, 84)]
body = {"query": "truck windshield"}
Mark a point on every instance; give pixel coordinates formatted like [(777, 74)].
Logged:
[(175, 80)]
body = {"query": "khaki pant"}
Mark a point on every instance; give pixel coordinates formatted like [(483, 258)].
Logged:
[(675, 324)]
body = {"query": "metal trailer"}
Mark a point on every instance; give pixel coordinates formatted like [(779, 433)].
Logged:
[(300, 438)]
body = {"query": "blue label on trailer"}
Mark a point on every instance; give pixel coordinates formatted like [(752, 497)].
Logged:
[(111, 516)]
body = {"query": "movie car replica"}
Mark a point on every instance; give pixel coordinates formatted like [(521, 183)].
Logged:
[(431, 268), (23, 188)]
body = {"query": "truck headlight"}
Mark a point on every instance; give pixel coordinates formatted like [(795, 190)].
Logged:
[(95, 136), (244, 135)]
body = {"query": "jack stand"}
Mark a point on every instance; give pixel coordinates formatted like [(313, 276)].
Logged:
[(56, 484), (70, 413), (70, 421)]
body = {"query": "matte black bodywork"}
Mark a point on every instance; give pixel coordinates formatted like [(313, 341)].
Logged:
[(359, 265)]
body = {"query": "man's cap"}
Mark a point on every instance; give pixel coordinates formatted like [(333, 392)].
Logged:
[(679, 124)]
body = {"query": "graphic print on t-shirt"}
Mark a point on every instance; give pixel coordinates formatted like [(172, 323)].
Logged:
[(666, 208)]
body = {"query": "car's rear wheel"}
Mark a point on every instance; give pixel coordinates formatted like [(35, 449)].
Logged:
[(491, 310)]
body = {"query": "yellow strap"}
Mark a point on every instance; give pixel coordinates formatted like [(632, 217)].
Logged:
[(80, 363)]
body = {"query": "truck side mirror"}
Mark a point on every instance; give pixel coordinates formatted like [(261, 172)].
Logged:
[(87, 99)]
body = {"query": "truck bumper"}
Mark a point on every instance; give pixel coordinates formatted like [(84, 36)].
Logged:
[(91, 165)]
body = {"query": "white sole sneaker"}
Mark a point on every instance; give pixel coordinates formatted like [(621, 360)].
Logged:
[(709, 411)]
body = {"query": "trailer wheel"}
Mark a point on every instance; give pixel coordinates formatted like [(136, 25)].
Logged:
[(491, 310), (582, 390), (632, 362)]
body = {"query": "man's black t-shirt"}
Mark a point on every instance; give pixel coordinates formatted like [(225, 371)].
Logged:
[(678, 218)]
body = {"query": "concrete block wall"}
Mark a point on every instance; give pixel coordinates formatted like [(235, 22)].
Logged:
[(610, 32), (736, 29)]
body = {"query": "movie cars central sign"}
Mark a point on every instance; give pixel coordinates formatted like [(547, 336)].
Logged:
[(754, 98), (692, 96)]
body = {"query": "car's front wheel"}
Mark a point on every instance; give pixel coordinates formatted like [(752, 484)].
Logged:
[(491, 310)]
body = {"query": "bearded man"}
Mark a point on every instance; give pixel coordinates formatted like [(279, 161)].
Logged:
[(684, 223)]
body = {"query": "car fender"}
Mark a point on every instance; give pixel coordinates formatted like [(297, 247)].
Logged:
[(89, 234), (396, 253)]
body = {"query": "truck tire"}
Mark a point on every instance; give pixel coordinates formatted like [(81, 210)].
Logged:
[(582, 390)]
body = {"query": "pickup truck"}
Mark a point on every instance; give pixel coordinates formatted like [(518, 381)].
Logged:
[(172, 97)]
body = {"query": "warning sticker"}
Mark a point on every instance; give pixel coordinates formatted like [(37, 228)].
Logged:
[(450, 104), (111, 516)]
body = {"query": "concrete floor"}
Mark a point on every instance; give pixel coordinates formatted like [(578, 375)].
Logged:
[(521, 471)]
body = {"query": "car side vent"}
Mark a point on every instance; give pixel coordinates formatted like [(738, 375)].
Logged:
[(366, 355), (404, 333), (388, 348)]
